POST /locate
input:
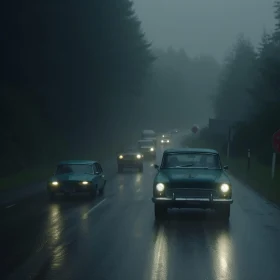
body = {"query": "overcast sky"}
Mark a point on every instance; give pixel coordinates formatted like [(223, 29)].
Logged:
[(204, 26)]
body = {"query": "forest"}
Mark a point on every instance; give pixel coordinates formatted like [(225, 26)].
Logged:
[(80, 80)]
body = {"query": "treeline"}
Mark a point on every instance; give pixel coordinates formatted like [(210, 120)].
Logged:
[(180, 89), (249, 92), (70, 74)]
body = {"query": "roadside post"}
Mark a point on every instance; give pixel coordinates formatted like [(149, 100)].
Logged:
[(276, 148), (248, 160)]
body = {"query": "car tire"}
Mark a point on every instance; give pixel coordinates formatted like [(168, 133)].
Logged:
[(94, 192), (160, 212), (101, 191), (120, 169), (224, 212), (51, 195)]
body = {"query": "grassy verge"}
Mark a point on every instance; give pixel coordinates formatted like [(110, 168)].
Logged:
[(258, 177)]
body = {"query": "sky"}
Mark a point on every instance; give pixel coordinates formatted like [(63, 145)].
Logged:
[(204, 26)]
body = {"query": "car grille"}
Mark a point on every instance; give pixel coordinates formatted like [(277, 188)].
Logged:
[(129, 157), (192, 185), (191, 193)]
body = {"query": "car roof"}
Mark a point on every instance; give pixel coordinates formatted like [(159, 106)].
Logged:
[(77, 162), (191, 150)]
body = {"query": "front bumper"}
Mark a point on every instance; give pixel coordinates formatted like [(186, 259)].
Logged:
[(124, 163), (191, 202), (76, 189)]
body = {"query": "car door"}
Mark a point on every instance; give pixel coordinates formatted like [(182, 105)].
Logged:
[(102, 175), (96, 175)]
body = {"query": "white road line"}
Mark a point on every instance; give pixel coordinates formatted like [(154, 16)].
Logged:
[(10, 206), (85, 216)]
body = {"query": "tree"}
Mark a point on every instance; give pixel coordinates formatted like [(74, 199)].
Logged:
[(233, 101)]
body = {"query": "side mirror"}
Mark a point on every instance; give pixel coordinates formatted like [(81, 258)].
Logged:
[(226, 167), (156, 166)]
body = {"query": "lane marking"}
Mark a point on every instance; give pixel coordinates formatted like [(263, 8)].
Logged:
[(10, 206), (85, 216)]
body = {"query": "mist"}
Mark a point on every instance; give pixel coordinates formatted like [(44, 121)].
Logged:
[(204, 27)]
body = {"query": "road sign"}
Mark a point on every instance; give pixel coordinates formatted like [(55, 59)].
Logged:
[(276, 141)]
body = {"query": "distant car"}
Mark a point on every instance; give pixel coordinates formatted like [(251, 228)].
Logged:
[(130, 159), (191, 178), (147, 148), (165, 138), (77, 176), (149, 134)]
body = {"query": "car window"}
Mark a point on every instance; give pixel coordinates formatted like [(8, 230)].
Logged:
[(99, 168), (73, 168), (95, 168), (146, 143), (191, 160)]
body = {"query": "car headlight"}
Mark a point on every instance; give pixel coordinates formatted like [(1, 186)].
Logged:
[(160, 187), (163, 136), (85, 183), (55, 183), (167, 141), (161, 141), (120, 157), (152, 149), (224, 188), (138, 156)]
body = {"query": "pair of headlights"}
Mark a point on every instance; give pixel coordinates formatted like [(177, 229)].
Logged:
[(162, 141), (224, 187), (138, 156), (55, 183)]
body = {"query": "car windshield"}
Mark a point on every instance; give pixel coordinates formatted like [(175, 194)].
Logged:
[(146, 143), (191, 160), (74, 168)]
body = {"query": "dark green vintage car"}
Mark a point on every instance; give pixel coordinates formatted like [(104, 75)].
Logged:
[(191, 178), (77, 176)]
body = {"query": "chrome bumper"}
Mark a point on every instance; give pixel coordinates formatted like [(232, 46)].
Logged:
[(189, 199)]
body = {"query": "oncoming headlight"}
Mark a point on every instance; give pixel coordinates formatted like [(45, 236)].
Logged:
[(138, 156), (162, 135), (152, 149), (167, 141), (85, 183), (161, 141), (120, 157), (224, 188), (160, 187), (55, 183)]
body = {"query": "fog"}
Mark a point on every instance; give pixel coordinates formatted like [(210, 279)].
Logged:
[(93, 74), (204, 26)]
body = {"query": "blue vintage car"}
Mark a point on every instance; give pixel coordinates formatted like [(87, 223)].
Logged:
[(77, 176), (191, 178)]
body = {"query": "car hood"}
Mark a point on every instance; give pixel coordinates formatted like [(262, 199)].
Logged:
[(191, 175), (72, 177)]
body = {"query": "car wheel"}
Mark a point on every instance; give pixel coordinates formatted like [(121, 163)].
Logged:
[(160, 212), (101, 191), (51, 195), (94, 192), (224, 212), (120, 169)]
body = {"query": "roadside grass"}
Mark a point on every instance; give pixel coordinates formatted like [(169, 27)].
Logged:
[(257, 177)]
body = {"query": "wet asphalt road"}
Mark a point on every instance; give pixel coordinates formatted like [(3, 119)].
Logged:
[(115, 237)]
